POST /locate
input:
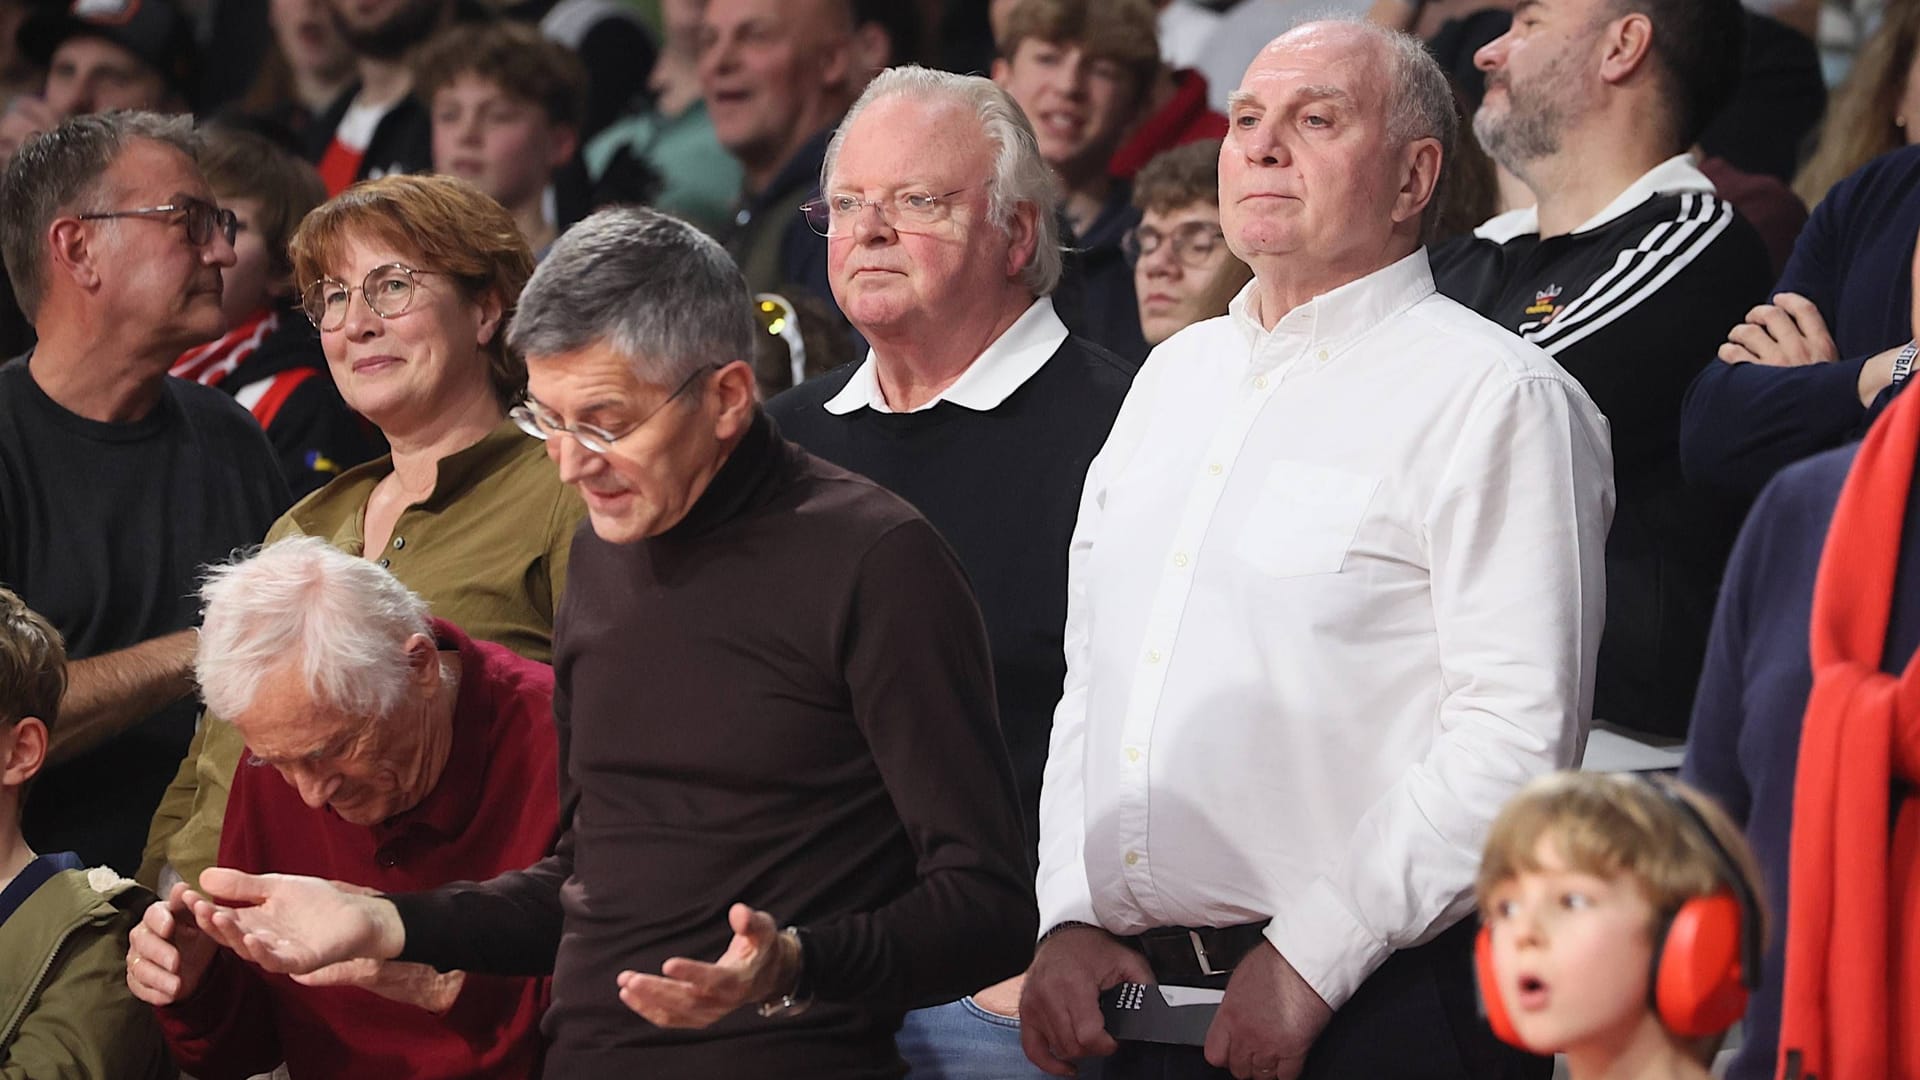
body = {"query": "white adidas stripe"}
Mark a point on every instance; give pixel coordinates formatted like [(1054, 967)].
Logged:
[(1664, 252)]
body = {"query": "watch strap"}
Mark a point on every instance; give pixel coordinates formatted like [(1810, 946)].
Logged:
[(1903, 362), (800, 994)]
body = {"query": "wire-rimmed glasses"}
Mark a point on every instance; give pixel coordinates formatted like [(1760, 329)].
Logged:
[(538, 421), (1194, 242), (388, 291), (902, 211)]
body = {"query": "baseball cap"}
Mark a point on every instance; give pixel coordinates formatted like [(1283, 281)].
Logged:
[(153, 30)]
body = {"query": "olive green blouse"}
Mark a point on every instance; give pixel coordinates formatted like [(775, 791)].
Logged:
[(487, 550)]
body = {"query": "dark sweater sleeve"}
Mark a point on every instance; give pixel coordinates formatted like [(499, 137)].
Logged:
[(511, 924), (917, 664), (1719, 708), (1742, 423)]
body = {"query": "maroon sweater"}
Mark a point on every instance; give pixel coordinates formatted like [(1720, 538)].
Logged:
[(494, 809), (785, 700)]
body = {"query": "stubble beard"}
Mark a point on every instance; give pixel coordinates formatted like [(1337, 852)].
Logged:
[(412, 23)]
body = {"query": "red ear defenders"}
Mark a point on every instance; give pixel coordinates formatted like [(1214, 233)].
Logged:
[(1705, 958)]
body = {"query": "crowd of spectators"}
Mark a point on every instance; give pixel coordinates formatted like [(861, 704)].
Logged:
[(818, 538)]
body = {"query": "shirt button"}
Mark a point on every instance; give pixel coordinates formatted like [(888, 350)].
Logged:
[(1133, 753), (1214, 469), (387, 859), (1260, 382), (1133, 857), (399, 542), (1321, 356), (1180, 559), (1153, 656)]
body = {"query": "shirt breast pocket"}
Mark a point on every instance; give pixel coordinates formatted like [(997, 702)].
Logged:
[(1304, 519)]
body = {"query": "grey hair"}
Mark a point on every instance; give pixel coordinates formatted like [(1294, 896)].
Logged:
[(53, 171), (1020, 174), (655, 288), (343, 622)]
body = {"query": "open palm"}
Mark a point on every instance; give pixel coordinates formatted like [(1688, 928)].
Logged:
[(286, 923)]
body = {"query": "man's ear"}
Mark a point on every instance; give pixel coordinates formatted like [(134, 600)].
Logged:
[(735, 393), (423, 660), (1023, 234), (23, 750), (1421, 177), (71, 252), (1628, 45), (1000, 71)]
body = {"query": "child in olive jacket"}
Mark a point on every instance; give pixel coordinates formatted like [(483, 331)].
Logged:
[(65, 1010)]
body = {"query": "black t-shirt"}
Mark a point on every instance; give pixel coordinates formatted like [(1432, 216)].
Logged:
[(104, 529)]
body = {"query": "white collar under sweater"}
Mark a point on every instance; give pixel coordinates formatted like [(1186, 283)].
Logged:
[(1001, 368)]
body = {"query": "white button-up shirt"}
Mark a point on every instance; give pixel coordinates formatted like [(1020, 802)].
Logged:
[(1334, 595)]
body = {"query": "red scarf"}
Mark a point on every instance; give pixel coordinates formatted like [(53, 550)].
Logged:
[(214, 361), (1850, 1009)]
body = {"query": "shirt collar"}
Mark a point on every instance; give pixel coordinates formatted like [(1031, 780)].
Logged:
[(1001, 368), (1676, 174), (454, 476), (1337, 318)]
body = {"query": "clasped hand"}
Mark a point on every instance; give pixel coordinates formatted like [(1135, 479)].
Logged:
[(1789, 332), (1267, 1021)]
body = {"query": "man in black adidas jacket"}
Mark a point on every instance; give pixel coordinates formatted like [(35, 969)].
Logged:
[(1628, 271)]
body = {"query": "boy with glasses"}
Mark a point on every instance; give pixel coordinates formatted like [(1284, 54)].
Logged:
[(1182, 270)]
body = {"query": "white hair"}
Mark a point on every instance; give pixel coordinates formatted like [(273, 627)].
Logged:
[(1020, 174), (342, 622)]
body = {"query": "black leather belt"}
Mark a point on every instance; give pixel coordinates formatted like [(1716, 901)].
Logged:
[(1197, 955)]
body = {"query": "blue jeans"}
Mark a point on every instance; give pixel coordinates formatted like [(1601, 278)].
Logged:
[(962, 1041)]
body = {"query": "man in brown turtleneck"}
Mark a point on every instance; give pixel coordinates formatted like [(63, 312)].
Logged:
[(775, 708)]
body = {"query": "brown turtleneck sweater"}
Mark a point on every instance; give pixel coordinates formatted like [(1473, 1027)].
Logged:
[(785, 700)]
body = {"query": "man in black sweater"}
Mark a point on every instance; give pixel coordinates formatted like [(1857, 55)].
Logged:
[(117, 483), (975, 404), (774, 705), (1627, 272)]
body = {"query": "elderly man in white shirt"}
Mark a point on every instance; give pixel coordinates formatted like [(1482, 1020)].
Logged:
[(1334, 594)]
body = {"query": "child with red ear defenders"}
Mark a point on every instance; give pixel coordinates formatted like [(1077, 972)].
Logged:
[(1620, 925)]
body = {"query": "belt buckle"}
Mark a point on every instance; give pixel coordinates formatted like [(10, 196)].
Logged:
[(1200, 954)]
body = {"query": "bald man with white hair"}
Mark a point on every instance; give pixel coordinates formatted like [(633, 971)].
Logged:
[(1334, 595)]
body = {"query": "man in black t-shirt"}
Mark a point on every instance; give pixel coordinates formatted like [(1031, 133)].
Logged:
[(117, 484), (1627, 271)]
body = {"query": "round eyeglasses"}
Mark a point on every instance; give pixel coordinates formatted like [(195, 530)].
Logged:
[(388, 291), (202, 217), (538, 421), (1194, 242)]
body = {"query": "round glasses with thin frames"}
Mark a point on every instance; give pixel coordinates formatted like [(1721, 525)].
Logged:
[(534, 419), (388, 291), (1194, 242)]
